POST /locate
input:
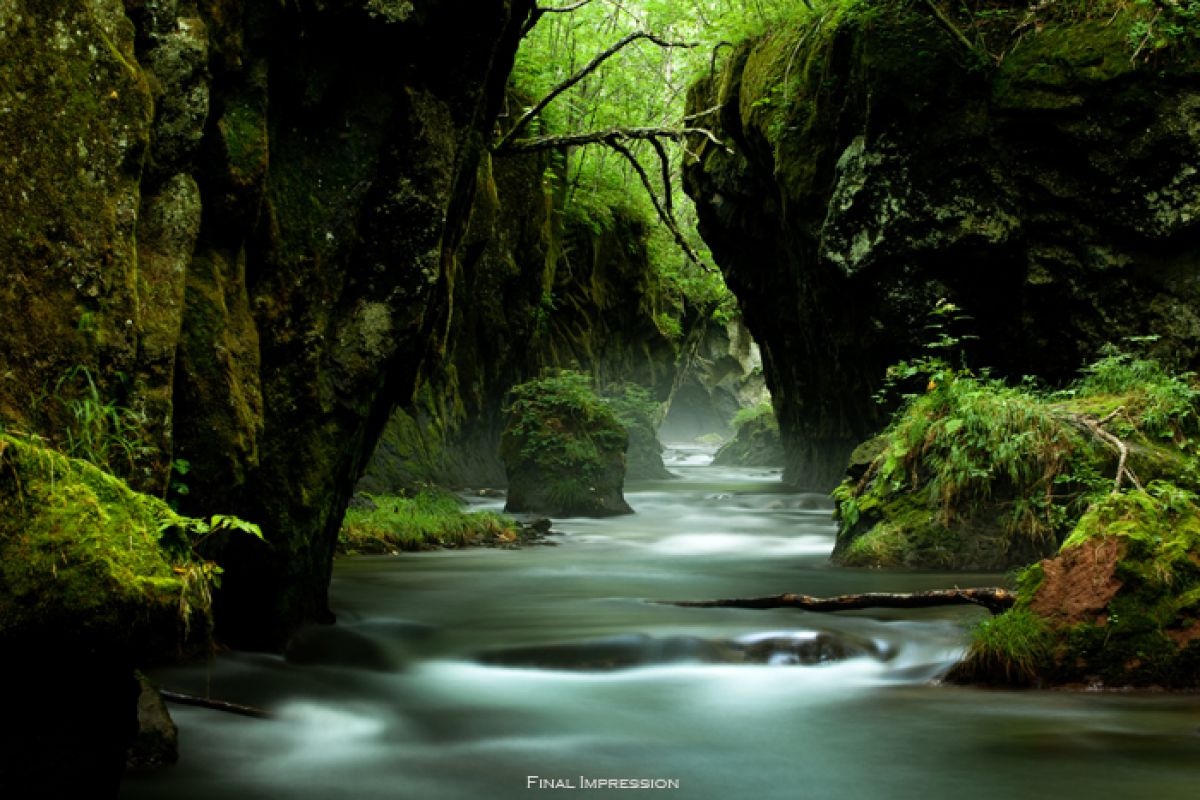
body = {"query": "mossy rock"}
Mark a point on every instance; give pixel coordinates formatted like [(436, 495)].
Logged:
[(1118, 606), (80, 552), (978, 475), (957, 482), (564, 450), (756, 444)]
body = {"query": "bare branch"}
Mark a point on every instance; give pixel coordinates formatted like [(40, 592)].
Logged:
[(665, 163), (215, 705), (712, 62), (538, 11), (703, 113), (580, 75), (994, 599), (602, 137), (563, 9), (1093, 425), (664, 214), (953, 30)]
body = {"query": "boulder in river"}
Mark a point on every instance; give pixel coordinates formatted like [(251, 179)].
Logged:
[(377, 645), (564, 450)]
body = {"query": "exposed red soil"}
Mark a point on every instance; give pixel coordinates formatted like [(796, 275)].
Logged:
[(1080, 582)]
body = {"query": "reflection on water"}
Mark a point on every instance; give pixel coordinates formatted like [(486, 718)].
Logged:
[(460, 674)]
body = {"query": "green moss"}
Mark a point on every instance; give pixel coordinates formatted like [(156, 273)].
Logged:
[(243, 130), (81, 551), (971, 465), (1010, 469), (1144, 634), (756, 441), (910, 536), (1046, 71), (429, 519)]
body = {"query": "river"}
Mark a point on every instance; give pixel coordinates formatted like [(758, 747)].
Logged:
[(427, 691)]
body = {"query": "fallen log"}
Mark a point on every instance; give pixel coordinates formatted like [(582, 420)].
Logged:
[(994, 599), (215, 705)]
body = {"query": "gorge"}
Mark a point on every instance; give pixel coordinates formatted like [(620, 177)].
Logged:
[(271, 254)]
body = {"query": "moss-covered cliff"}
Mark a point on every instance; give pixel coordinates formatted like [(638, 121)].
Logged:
[(245, 221), (878, 165)]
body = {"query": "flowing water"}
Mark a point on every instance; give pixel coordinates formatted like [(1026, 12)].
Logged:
[(514, 674)]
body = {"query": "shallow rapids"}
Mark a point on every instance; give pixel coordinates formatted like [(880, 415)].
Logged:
[(518, 674)]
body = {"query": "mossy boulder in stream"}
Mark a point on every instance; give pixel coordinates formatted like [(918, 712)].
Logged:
[(564, 450), (974, 474), (1118, 606), (756, 442)]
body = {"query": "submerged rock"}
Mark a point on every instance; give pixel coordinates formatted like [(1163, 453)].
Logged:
[(807, 648), (804, 648), (377, 645), (613, 652)]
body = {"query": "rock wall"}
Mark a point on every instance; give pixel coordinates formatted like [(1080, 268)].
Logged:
[(245, 222), (720, 373), (876, 166)]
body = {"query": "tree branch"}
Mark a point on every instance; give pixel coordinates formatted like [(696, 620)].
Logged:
[(1094, 425), (509, 147), (665, 164), (664, 214), (703, 113), (538, 11), (580, 75), (215, 705), (994, 599), (953, 29)]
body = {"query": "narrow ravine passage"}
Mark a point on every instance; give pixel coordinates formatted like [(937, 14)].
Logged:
[(432, 720)]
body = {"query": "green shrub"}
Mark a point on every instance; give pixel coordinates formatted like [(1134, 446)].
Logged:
[(559, 423), (1014, 648), (974, 453), (1156, 403), (99, 430), (763, 411)]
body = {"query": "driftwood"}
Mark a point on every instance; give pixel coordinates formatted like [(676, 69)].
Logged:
[(994, 599), (215, 705)]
